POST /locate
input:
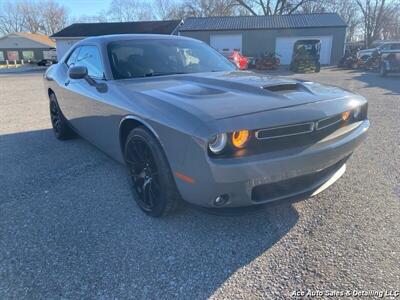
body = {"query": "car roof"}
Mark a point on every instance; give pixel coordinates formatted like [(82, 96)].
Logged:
[(394, 42), (105, 39)]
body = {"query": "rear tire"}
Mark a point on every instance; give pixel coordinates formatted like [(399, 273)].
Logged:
[(61, 129), (153, 185)]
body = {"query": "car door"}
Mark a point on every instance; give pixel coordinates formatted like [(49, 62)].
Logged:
[(65, 95), (86, 105)]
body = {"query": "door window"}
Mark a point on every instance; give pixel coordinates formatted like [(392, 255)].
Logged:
[(385, 47), (89, 57), (72, 58)]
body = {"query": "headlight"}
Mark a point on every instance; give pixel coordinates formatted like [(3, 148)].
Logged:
[(240, 138), (217, 143), (357, 112)]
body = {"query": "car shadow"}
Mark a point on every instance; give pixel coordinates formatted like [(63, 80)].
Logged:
[(69, 228), (373, 80)]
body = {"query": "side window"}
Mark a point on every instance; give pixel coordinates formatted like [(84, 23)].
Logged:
[(72, 58), (395, 46), (89, 56), (385, 47)]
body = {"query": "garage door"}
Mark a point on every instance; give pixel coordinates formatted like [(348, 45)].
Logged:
[(284, 47), (226, 43)]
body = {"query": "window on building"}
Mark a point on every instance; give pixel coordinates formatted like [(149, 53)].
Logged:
[(28, 55), (2, 56), (12, 55)]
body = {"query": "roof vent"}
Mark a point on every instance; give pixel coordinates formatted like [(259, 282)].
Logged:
[(281, 88)]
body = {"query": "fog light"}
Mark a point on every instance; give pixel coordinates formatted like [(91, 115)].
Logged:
[(221, 200)]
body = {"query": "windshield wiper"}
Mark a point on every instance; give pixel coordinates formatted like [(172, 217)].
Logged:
[(162, 73)]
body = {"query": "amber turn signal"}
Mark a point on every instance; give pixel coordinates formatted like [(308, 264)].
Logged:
[(345, 115), (240, 138)]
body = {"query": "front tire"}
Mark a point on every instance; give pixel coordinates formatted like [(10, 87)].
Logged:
[(61, 129), (153, 185)]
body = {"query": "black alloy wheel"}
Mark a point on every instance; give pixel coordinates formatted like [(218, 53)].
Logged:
[(60, 125), (143, 172), (55, 117), (153, 186)]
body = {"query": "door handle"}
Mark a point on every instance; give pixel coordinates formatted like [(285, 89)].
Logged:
[(67, 83)]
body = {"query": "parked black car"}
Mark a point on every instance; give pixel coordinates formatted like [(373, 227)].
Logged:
[(389, 62), (46, 62)]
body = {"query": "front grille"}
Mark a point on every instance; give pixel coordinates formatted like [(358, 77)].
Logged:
[(321, 124), (292, 137), (296, 135), (284, 131), (293, 186)]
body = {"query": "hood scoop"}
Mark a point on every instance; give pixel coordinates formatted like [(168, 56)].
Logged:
[(283, 88)]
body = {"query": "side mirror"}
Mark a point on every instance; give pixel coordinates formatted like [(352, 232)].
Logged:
[(77, 72)]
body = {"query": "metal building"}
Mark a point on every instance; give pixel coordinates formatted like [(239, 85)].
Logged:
[(255, 35)]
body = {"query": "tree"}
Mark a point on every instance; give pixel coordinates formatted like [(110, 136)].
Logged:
[(164, 9), (54, 15), (272, 7), (373, 12), (211, 8), (390, 26), (347, 9), (129, 10), (167, 9), (100, 17), (33, 16), (46, 17), (12, 18)]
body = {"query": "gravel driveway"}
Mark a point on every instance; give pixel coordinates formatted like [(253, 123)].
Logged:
[(69, 228)]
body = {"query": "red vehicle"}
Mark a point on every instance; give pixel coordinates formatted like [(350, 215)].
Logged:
[(242, 62)]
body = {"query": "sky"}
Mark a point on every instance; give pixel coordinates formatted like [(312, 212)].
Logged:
[(77, 8)]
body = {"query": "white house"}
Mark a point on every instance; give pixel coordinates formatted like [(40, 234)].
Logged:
[(68, 36)]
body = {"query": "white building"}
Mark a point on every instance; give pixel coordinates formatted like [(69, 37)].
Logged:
[(68, 36)]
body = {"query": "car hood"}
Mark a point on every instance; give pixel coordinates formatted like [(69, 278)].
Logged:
[(226, 94)]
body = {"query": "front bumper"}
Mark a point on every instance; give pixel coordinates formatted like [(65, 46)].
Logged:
[(275, 176)]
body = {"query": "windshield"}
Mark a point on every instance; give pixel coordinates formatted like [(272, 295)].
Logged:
[(307, 48), (143, 58)]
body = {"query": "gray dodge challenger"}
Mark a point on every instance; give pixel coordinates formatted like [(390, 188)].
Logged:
[(190, 126)]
